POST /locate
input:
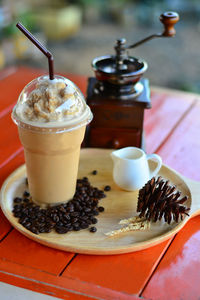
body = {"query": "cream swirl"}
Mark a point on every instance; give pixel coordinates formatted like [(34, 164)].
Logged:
[(55, 100)]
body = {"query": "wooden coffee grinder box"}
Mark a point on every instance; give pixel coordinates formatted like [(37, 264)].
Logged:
[(118, 95)]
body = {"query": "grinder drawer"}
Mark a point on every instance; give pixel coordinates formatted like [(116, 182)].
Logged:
[(113, 137)]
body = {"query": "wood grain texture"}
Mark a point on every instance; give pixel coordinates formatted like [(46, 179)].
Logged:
[(5, 226), (58, 286), (13, 164), (32, 254), (10, 143), (167, 110), (126, 273), (11, 86), (177, 276), (181, 151), (6, 170)]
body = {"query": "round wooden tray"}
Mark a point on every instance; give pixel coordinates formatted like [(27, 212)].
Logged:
[(118, 205)]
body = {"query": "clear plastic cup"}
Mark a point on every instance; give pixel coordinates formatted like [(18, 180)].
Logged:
[(51, 148)]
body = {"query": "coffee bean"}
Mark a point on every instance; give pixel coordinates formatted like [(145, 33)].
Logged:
[(70, 228), (55, 218), (94, 220), (93, 229), (34, 230), (89, 222), (36, 208), (107, 188), (101, 194), (76, 214), (47, 230), (17, 200), (60, 224), (27, 225), (66, 217), (26, 200), (18, 214), (84, 225), (42, 229), (41, 225), (71, 207), (84, 217), (26, 194), (74, 220), (15, 210), (87, 209), (50, 225), (61, 229), (77, 228), (41, 219), (90, 214), (95, 213), (23, 220), (101, 208)]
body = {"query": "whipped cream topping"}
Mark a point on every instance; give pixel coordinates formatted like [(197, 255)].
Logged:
[(50, 101)]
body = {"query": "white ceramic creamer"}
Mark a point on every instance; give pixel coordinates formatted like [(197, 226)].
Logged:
[(131, 168)]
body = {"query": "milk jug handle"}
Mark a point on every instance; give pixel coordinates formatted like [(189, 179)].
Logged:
[(157, 159)]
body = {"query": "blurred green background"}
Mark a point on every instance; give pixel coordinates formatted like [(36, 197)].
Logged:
[(79, 30)]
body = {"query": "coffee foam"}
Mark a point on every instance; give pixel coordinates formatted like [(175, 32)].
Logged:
[(51, 104)]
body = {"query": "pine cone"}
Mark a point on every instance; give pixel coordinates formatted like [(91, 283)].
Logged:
[(157, 199)]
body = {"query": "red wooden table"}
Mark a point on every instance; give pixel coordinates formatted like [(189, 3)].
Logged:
[(170, 270)]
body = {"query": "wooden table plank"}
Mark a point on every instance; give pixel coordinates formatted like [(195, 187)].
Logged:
[(181, 151), (177, 276), (34, 255), (12, 85), (13, 164), (5, 171), (10, 143), (5, 226), (167, 110), (63, 287), (126, 273)]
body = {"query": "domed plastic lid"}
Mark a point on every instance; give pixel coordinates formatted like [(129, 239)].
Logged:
[(51, 105)]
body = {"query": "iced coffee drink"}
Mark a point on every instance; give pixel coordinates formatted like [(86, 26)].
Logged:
[(51, 116)]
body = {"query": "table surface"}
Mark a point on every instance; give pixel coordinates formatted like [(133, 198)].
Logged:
[(169, 270)]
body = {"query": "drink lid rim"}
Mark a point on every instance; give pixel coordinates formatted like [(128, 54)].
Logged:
[(54, 127)]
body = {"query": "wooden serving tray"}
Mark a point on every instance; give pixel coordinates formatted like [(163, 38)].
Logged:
[(118, 205)]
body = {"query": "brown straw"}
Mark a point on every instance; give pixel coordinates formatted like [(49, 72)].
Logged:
[(40, 46)]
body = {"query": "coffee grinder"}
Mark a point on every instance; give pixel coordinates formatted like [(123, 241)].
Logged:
[(118, 94)]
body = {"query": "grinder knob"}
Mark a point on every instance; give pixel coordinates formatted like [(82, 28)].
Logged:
[(169, 19)]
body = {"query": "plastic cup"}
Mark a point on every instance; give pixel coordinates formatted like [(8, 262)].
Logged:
[(52, 151)]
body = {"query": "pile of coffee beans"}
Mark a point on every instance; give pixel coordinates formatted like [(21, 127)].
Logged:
[(79, 213)]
